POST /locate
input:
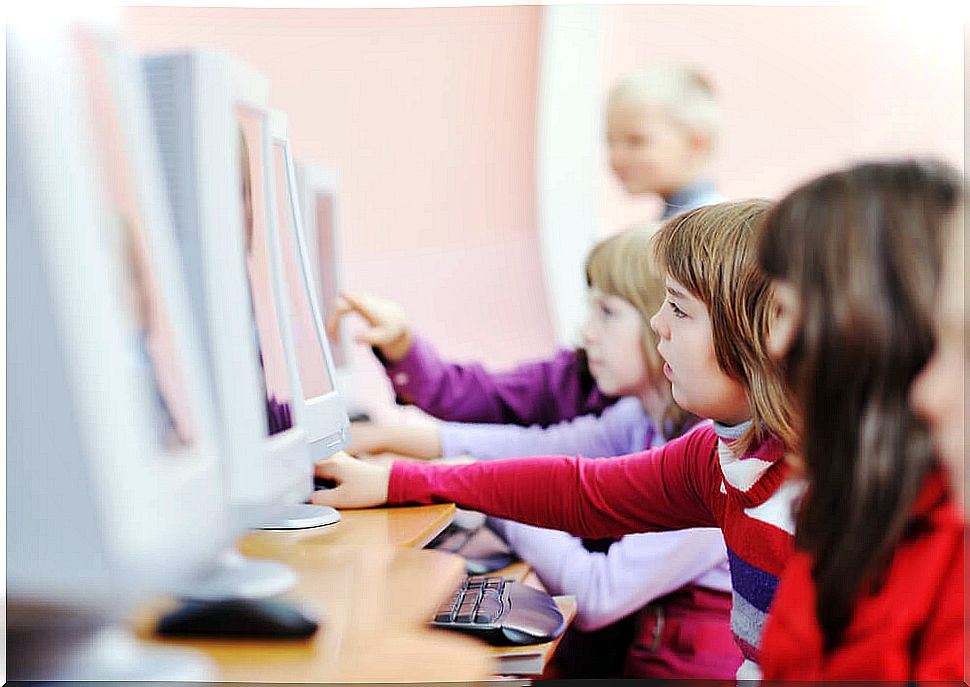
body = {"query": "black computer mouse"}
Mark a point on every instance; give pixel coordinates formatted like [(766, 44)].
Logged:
[(237, 618), (323, 483)]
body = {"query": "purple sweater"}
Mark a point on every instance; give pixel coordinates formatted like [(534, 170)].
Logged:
[(535, 393)]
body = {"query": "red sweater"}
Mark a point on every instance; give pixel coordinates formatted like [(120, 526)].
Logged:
[(910, 629), (693, 481)]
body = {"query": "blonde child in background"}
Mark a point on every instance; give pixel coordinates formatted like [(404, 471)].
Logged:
[(731, 474), (662, 123), (685, 630), (875, 588), (662, 127)]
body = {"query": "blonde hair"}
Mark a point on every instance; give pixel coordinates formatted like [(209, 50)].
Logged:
[(711, 251), (623, 266), (682, 91)]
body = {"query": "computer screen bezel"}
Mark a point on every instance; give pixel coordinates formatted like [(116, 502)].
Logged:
[(312, 181), (327, 423), (133, 506)]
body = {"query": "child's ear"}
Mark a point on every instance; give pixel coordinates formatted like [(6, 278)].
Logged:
[(700, 143), (785, 320)]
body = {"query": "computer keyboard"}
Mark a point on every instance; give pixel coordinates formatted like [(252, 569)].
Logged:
[(501, 611)]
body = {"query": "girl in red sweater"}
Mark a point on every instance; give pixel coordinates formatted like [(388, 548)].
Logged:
[(712, 330), (875, 588)]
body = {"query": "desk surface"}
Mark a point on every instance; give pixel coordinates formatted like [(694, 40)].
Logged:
[(412, 526), (374, 603)]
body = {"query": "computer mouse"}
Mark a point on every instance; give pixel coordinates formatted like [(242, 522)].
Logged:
[(533, 616), (238, 618), (323, 483)]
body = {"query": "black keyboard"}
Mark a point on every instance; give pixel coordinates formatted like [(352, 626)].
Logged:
[(501, 611)]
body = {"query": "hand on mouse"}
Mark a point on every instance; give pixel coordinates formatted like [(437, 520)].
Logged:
[(359, 484), (388, 325)]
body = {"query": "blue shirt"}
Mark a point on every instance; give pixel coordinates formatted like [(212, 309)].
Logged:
[(694, 195)]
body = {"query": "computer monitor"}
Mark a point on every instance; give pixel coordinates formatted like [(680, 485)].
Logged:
[(318, 194), (211, 117), (111, 457), (326, 422)]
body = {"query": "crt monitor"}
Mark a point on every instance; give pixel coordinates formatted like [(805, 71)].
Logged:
[(211, 119), (318, 194), (111, 457), (326, 421)]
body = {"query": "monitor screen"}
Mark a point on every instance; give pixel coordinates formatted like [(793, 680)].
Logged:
[(154, 352), (311, 363), (323, 209), (268, 338)]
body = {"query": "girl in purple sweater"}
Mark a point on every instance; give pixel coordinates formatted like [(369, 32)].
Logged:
[(672, 588)]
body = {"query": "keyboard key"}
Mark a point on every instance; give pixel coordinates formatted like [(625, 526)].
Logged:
[(466, 612), (489, 609)]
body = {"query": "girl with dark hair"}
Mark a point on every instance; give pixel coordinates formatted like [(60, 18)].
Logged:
[(875, 588)]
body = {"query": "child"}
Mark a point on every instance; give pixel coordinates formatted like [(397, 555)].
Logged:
[(625, 290), (661, 127), (731, 475), (875, 588), (662, 123), (682, 575), (937, 394)]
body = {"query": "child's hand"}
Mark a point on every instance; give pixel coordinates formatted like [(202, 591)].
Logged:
[(417, 441), (389, 330), (359, 484)]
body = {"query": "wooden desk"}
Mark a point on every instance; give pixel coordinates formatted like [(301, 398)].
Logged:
[(412, 526), (374, 603), (533, 659)]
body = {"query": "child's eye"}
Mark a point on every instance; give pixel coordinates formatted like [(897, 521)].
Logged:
[(606, 310), (677, 311)]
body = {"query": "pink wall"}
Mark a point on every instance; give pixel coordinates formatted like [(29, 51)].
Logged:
[(802, 89), (429, 117)]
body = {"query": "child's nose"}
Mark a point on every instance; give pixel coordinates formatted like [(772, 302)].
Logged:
[(658, 326)]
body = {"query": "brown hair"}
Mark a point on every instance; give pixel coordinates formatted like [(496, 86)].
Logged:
[(623, 266), (862, 248), (711, 252)]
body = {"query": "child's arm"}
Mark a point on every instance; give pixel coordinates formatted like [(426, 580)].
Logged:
[(417, 441), (673, 487), (542, 393), (611, 434), (636, 570), (533, 393)]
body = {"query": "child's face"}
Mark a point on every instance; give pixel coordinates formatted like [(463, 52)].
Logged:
[(649, 151), (698, 383), (937, 393), (613, 339)]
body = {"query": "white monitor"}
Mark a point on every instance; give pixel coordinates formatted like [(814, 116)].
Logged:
[(318, 195), (326, 422), (212, 121), (111, 456)]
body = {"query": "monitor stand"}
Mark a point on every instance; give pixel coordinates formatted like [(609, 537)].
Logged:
[(103, 653), (239, 577), (298, 516)]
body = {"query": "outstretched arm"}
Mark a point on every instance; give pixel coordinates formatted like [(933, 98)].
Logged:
[(667, 488), (541, 392), (620, 427)]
